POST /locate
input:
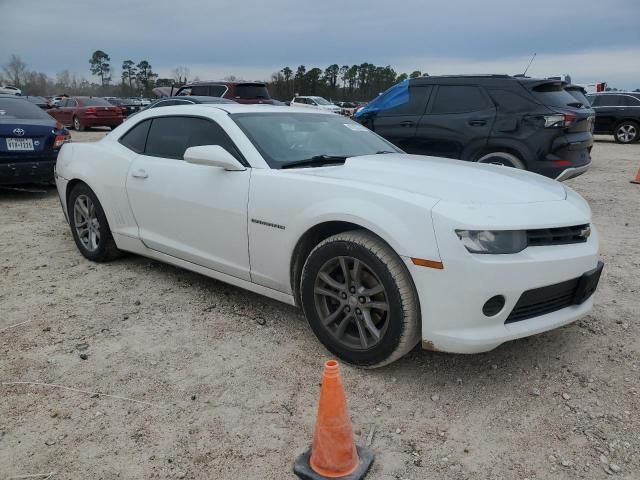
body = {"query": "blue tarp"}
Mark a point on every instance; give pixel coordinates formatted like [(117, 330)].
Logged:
[(394, 96)]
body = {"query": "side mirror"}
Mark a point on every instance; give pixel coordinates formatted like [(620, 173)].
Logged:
[(213, 156)]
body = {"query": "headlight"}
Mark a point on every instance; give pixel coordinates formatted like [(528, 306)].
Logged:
[(493, 241)]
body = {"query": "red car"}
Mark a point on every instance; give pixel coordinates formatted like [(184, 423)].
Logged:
[(241, 92), (86, 112)]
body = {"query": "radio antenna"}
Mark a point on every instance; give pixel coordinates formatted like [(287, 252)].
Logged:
[(530, 62)]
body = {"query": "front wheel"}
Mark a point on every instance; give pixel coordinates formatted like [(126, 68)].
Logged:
[(79, 127), (360, 300), (89, 225), (627, 132)]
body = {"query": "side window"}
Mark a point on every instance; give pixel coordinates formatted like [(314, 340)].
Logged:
[(72, 103), (412, 101), (217, 90), (629, 101), (459, 99), (184, 92), (136, 137), (509, 102), (200, 90), (63, 102), (608, 101), (169, 137)]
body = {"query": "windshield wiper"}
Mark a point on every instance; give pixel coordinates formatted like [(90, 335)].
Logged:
[(317, 161)]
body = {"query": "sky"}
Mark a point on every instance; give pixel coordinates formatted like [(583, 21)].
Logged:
[(251, 39)]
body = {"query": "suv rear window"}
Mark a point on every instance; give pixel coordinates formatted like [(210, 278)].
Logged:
[(554, 95), (249, 91), (578, 95)]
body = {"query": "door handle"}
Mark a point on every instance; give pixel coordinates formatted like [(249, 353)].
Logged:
[(407, 123), (139, 174), (477, 123)]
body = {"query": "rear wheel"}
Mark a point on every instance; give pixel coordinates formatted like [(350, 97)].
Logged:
[(502, 158), (89, 225), (77, 125), (627, 132), (359, 299)]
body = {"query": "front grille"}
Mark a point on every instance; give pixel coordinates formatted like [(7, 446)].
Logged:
[(543, 300), (558, 236)]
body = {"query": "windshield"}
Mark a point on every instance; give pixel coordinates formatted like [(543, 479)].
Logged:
[(321, 101), (283, 138), (22, 109)]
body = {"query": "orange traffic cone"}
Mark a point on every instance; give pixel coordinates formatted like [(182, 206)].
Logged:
[(637, 179), (334, 453)]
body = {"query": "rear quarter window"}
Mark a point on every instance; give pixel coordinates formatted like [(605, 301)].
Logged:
[(510, 102)]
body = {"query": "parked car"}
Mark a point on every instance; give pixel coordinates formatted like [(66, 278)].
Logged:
[(530, 124), (617, 114), (41, 102), (347, 108), (86, 112), (128, 106), (379, 248), (29, 142), (10, 90), (317, 103), (240, 92)]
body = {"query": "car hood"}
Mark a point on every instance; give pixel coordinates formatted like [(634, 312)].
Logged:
[(445, 179)]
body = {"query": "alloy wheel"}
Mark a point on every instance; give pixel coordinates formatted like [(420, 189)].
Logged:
[(86, 223), (626, 133), (352, 303)]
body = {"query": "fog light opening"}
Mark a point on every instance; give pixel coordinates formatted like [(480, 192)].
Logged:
[(493, 306)]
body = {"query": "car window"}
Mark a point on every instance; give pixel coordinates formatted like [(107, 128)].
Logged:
[(136, 137), (216, 90), (72, 102), (251, 91), (169, 137), (19, 108), (509, 102), (94, 102), (200, 90), (401, 99), (459, 99), (630, 101), (607, 101)]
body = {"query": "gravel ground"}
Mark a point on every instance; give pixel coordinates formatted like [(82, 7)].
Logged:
[(231, 378)]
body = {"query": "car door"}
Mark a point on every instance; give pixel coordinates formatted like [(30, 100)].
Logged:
[(194, 212), (58, 112), (398, 122), (69, 111), (608, 109), (457, 123)]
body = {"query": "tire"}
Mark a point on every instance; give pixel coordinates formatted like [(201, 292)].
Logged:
[(94, 241), (502, 158), (362, 312), (626, 132), (77, 125)]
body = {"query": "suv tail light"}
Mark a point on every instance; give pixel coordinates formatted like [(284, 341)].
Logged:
[(559, 120)]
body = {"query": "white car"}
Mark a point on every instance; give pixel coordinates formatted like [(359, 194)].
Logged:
[(317, 103), (381, 249), (10, 90)]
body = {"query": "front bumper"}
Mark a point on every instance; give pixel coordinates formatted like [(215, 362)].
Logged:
[(21, 172), (451, 299)]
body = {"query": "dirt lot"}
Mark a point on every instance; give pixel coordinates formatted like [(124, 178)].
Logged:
[(231, 378)]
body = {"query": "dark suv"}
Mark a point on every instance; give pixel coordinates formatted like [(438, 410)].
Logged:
[(617, 114), (519, 122), (241, 92)]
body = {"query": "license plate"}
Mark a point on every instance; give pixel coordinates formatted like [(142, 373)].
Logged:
[(20, 144), (587, 284)]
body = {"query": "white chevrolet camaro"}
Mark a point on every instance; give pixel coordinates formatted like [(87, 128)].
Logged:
[(381, 249)]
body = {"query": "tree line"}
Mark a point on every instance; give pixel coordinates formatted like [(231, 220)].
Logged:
[(335, 82), (346, 82)]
